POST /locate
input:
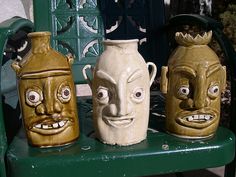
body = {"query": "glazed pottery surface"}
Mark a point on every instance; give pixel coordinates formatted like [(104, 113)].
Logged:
[(121, 92), (193, 82), (47, 94)]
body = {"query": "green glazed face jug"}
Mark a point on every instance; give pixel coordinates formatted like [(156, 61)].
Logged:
[(193, 82), (47, 94)]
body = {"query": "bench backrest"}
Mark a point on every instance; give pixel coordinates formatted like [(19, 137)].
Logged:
[(78, 27)]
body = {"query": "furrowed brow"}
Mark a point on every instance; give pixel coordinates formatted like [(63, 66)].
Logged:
[(212, 69), (135, 75), (185, 69), (103, 75)]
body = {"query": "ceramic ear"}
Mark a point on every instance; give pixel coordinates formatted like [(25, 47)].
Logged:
[(70, 58), (84, 71), (164, 79), (224, 73), (15, 66), (153, 71)]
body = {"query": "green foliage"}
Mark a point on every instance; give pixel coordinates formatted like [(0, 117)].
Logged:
[(228, 19)]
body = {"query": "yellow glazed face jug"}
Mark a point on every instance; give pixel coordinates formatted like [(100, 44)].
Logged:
[(121, 93), (193, 82), (47, 94)]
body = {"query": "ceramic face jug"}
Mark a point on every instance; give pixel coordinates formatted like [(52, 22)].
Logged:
[(121, 92), (193, 82), (47, 94)]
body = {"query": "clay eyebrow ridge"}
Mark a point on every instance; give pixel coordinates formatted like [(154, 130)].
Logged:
[(213, 69), (135, 75), (185, 69), (103, 75)]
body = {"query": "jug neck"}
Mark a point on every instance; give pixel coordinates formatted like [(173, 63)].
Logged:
[(40, 42), (127, 46)]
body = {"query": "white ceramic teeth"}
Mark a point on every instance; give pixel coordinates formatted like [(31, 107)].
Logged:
[(190, 118), (198, 117), (45, 126), (208, 117), (201, 117), (51, 126), (38, 126), (61, 123), (55, 125)]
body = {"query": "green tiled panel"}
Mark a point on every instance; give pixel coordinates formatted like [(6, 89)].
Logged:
[(76, 27), (86, 47)]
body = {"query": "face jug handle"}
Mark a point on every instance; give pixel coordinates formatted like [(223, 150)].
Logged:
[(84, 71), (153, 71)]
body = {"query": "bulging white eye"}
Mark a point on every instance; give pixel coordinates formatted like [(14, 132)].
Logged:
[(64, 94), (184, 90), (33, 98), (138, 95), (102, 95), (213, 91)]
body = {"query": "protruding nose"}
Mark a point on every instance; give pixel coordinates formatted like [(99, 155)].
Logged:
[(50, 104), (120, 108), (49, 108), (121, 105), (200, 99), (201, 102)]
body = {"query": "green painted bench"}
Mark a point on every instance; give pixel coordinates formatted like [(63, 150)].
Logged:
[(78, 27)]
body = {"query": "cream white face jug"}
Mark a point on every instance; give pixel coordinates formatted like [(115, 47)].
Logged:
[(121, 93)]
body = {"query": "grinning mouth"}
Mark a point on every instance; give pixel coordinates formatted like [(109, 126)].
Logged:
[(119, 122), (50, 127), (200, 118), (197, 120)]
